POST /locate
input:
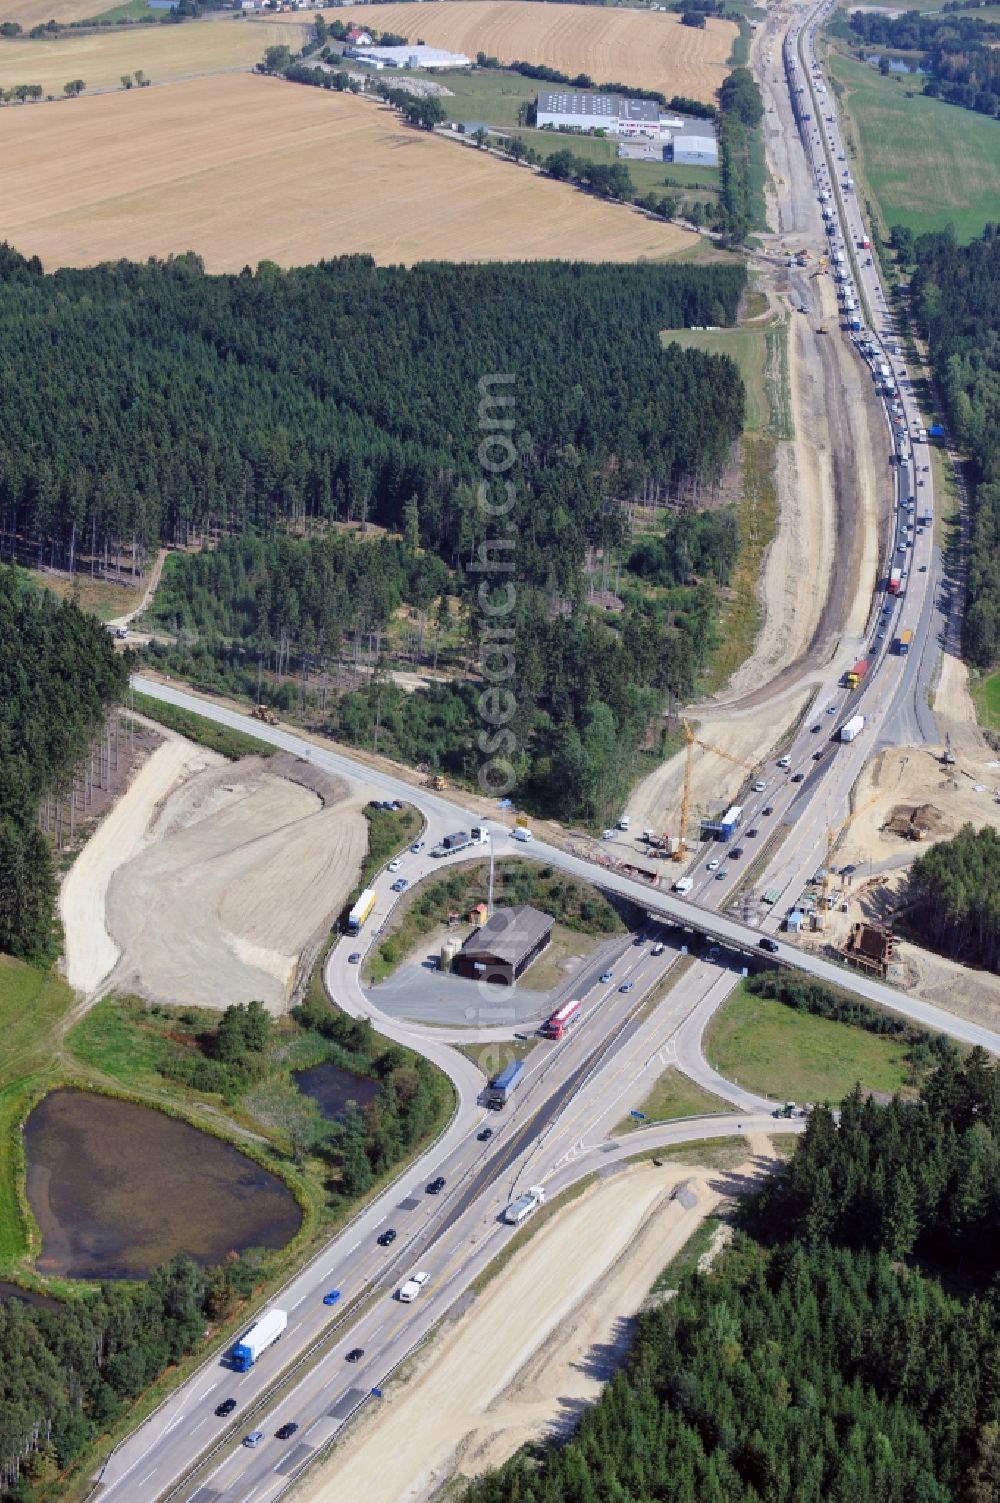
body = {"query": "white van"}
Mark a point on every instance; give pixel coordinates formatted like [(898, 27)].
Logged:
[(412, 1287), (522, 834)]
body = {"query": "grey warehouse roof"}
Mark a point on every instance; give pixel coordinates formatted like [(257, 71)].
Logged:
[(613, 106), (509, 934)]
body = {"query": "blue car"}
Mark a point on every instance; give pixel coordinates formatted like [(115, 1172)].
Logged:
[(332, 1297)]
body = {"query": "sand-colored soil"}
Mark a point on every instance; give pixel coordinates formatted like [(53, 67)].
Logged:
[(745, 735), (262, 169), (91, 954), (242, 868), (30, 13), (611, 46), (532, 1350), (162, 52)]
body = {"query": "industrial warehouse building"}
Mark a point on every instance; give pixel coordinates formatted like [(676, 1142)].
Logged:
[(502, 949), (414, 55), (613, 113), (698, 149)]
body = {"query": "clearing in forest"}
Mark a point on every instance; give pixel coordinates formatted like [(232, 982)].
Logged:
[(611, 46), (259, 169)]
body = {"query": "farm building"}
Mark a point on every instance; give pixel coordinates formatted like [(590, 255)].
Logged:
[(613, 113), (412, 55), (502, 949), (356, 37)]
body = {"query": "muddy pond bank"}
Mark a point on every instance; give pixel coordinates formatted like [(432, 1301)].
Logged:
[(118, 1188)]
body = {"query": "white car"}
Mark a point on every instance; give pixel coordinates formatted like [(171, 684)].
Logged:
[(759, 786), (395, 864), (713, 864)]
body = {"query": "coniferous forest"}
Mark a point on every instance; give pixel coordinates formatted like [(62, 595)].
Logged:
[(58, 676), (956, 291), (843, 1350), (150, 404)]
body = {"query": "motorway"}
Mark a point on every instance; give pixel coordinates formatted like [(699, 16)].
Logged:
[(556, 1129)]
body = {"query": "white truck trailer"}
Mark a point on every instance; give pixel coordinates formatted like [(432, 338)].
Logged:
[(852, 728), (262, 1334), (412, 1287), (524, 1205)]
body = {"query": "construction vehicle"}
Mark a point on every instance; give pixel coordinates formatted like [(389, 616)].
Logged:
[(261, 712), (435, 781), (948, 757), (679, 853)]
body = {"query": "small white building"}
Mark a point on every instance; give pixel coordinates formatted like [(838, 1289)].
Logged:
[(701, 150), (411, 55)]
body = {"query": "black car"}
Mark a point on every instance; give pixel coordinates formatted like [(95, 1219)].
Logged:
[(770, 945), (752, 832), (355, 1354), (815, 728), (817, 755), (767, 811), (226, 1407), (736, 853), (798, 777), (436, 1185), (485, 1135), (285, 1432), (388, 1237)]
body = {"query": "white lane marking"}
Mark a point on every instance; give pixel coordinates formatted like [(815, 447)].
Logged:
[(147, 1477), (354, 1248), (197, 1427), (380, 1221), (298, 1301)]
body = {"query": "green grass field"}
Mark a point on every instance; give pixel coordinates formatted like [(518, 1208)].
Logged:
[(790, 1055), (749, 348), (673, 1096), (665, 177), (927, 163), (986, 693), (31, 1005), (493, 97)]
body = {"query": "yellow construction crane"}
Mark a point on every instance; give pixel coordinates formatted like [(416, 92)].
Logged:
[(833, 836), (693, 741)]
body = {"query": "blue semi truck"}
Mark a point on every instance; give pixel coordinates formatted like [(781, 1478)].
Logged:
[(503, 1086)]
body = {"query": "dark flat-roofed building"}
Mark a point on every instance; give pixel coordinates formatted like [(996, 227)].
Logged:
[(502, 949)]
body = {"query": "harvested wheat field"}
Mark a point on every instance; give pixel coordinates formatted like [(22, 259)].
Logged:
[(612, 46), (258, 169), (243, 867), (33, 12), (162, 52)]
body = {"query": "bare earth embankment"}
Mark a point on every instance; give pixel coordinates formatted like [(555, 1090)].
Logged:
[(534, 1347), (243, 865), (325, 174), (611, 46)]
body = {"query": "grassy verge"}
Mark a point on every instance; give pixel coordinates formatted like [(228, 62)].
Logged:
[(928, 164), (690, 1255), (526, 1231), (765, 1046), (32, 1004), (723, 1154), (986, 694), (99, 597), (673, 1096), (757, 518), (494, 1056), (218, 738)]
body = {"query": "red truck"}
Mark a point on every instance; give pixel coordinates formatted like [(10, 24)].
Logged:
[(895, 580), (853, 676)]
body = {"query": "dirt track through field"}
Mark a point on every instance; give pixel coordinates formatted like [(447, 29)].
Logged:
[(610, 46), (262, 169), (535, 1347)]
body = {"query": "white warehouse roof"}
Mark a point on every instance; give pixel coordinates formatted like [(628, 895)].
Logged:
[(411, 56)]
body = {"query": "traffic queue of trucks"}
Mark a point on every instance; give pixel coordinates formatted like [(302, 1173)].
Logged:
[(262, 1334)]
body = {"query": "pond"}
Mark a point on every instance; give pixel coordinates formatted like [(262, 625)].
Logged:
[(332, 1088), (895, 64), (118, 1188)]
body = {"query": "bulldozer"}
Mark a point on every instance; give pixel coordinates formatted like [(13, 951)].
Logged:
[(261, 712), (435, 781)]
